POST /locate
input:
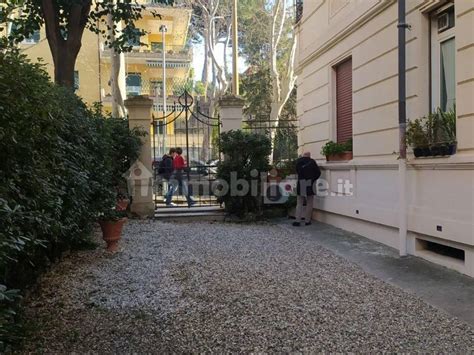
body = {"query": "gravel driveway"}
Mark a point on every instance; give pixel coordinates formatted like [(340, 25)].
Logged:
[(228, 288)]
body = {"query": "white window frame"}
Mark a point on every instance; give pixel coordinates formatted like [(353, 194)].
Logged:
[(436, 40)]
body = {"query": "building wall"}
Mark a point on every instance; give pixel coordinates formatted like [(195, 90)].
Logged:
[(94, 69), (87, 63), (441, 190)]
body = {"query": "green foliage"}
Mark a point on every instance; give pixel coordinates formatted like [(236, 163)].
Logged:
[(60, 168), (199, 88), (438, 128), (255, 17), (331, 148), (257, 92), (10, 333), (416, 135), (285, 146), (244, 154), (449, 124), (286, 167)]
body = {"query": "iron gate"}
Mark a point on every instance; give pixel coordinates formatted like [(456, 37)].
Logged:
[(191, 128)]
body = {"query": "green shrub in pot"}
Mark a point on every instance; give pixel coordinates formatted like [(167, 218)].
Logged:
[(337, 151), (417, 137)]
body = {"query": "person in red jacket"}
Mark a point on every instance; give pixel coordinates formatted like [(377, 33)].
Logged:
[(176, 180)]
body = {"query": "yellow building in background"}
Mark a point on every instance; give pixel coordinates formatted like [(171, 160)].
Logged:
[(143, 65)]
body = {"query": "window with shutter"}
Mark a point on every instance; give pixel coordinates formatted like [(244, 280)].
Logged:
[(344, 101)]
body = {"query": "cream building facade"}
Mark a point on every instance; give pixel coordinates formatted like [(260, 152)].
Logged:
[(358, 38)]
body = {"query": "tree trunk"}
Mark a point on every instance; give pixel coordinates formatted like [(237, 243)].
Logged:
[(65, 51), (117, 74), (204, 154), (205, 68), (64, 62)]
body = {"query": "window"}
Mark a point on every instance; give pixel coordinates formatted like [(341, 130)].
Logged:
[(134, 39), (33, 38), (443, 55), (447, 74), (344, 101), (156, 87), (76, 80), (298, 11), (134, 84), (156, 46)]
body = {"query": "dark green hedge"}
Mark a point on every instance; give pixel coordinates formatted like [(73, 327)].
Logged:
[(246, 156), (60, 164)]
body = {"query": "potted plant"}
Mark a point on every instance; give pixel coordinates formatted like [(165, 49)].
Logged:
[(434, 128), (449, 125), (111, 224), (337, 151), (417, 138), (433, 135), (121, 148)]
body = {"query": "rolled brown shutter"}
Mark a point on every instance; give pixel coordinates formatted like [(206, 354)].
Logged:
[(344, 101)]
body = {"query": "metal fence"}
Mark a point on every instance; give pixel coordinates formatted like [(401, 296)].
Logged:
[(285, 137)]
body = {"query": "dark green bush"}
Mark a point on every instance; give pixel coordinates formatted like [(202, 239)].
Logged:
[(244, 154), (59, 163)]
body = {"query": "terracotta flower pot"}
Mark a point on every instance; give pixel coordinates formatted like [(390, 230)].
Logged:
[(111, 232), (339, 157)]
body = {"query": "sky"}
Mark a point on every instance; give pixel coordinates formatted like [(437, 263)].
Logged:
[(198, 59)]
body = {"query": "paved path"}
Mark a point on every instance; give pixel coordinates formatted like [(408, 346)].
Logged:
[(227, 287)]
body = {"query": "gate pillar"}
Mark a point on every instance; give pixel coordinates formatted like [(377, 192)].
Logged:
[(231, 112), (141, 173)]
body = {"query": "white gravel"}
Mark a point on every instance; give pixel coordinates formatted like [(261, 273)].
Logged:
[(203, 287)]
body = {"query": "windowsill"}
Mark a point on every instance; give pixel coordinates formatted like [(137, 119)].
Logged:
[(458, 160), (440, 160), (338, 161)]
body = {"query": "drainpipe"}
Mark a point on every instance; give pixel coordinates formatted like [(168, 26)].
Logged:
[(402, 118)]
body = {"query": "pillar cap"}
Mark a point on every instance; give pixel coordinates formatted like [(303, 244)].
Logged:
[(138, 101), (231, 101)]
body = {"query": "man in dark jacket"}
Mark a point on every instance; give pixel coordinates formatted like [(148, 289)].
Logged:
[(166, 165), (308, 172), (165, 170)]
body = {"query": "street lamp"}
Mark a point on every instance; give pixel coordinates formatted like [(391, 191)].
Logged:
[(163, 30)]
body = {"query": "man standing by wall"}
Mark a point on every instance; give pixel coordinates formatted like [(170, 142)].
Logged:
[(308, 172)]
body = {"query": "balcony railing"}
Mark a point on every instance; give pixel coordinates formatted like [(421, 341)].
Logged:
[(177, 53), (154, 88)]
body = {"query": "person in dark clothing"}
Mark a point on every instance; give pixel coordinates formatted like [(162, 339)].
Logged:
[(308, 172), (165, 168), (177, 180)]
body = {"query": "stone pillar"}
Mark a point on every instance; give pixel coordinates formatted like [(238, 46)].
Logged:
[(231, 112), (141, 173)]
